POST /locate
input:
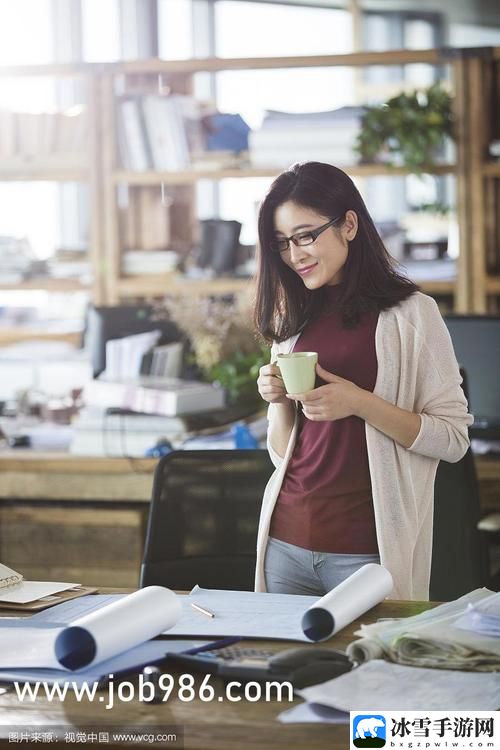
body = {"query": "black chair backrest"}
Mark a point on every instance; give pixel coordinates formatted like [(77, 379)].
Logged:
[(458, 558), (203, 519)]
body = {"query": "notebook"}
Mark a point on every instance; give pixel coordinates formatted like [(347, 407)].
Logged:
[(16, 593), (8, 577)]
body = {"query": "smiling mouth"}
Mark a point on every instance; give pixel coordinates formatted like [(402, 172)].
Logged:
[(306, 269)]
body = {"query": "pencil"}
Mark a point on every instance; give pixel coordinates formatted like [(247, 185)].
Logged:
[(202, 610)]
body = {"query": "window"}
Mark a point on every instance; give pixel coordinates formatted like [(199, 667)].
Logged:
[(257, 29), (100, 30), (28, 43), (175, 39), (260, 30), (394, 30)]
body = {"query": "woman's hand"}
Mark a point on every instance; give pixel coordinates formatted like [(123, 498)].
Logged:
[(335, 400), (270, 385)]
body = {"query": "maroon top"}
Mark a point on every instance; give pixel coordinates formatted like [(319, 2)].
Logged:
[(325, 503)]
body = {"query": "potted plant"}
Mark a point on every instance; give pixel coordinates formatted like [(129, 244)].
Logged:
[(408, 130)]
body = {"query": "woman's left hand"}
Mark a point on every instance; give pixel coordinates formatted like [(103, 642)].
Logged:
[(335, 400)]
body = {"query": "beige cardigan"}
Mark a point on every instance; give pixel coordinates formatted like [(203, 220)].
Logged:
[(417, 371)]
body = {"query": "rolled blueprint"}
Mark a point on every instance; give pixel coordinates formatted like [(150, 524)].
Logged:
[(360, 592), (117, 627)]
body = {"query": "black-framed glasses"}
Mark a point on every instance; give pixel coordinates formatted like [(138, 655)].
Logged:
[(300, 239)]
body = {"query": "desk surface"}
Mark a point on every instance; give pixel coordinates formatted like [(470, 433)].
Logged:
[(207, 726)]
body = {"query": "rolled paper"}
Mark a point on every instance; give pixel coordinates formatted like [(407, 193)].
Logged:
[(360, 592), (117, 627), (363, 650)]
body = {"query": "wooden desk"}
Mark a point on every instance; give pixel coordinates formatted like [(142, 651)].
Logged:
[(73, 518), (215, 725), (79, 518), (26, 475)]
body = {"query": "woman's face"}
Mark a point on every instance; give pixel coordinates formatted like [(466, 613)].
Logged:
[(321, 262)]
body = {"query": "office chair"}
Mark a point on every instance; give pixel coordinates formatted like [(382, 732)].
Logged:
[(459, 560), (458, 557), (203, 520)]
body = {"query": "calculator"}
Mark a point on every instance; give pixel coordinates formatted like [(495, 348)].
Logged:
[(302, 666), (231, 662)]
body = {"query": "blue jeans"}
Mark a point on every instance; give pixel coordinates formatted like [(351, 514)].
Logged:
[(294, 570)]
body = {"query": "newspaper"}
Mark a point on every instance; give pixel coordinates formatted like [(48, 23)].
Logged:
[(436, 638)]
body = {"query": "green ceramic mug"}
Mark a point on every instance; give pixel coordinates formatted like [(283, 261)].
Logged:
[(298, 370)]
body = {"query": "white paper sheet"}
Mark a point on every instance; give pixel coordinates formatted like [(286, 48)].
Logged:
[(93, 638), (67, 612), (135, 658), (253, 614), (382, 686), (247, 614), (313, 713)]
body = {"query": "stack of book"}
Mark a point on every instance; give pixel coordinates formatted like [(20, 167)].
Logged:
[(149, 262), (70, 263), (287, 137), (168, 397), (43, 134), (99, 433)]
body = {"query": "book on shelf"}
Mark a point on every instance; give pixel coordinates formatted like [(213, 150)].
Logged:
[(149, 262), (158, 117), (140, 354), (167, 396), (166, 132), (132, 142), (39, 136), (159, 132)]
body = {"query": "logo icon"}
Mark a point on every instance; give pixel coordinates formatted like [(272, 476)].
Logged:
[(368, 730)]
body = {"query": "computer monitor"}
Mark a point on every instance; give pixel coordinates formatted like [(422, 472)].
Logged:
[(476, 340), (106, 323)]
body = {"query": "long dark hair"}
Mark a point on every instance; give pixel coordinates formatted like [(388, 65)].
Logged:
[(370, 281)]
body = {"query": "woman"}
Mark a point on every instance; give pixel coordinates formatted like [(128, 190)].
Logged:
[(356, 457)]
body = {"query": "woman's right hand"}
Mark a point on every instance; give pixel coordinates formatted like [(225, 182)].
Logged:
[(270, 385)]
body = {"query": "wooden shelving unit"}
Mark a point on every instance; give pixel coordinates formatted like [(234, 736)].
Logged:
[(60, 167), (49, 285), (157, 286), (15, 335), (179, 75), (491, 169), (28, 173), (475, 80), (478, 119), (190, 177)]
